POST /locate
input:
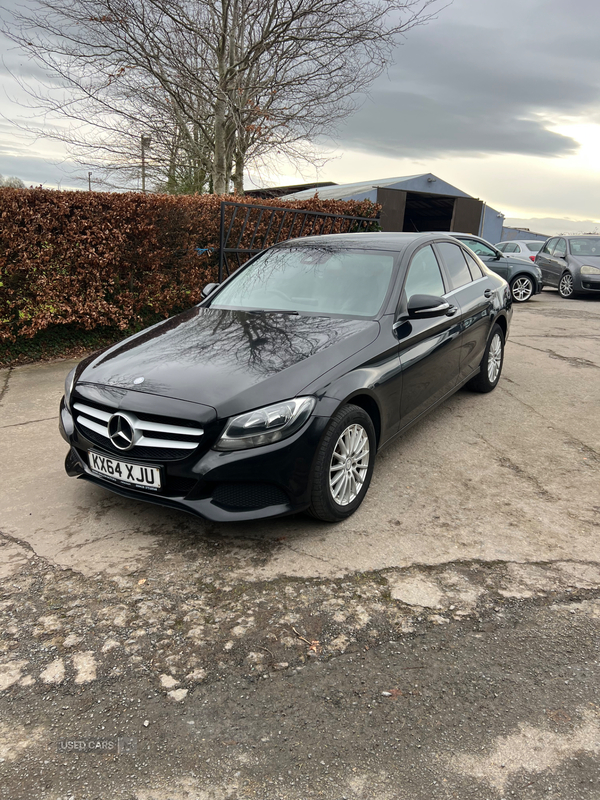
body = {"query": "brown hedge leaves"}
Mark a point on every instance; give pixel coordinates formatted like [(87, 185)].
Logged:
[(100, 259)]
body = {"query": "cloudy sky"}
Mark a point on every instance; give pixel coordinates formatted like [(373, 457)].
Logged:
[(499, 97)]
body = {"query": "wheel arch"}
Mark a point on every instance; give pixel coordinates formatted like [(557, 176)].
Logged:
[(369, 405), (531, 277), (502, 324)]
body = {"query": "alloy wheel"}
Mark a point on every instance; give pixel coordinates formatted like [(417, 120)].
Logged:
[(565, 287), (349, 464), (494, 358), (522, 289)]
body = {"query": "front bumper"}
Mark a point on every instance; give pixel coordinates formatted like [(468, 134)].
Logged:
[(587, 283), (269, 481)]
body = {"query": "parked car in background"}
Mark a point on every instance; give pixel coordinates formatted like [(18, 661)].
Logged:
[(523, 277), (571, 264), (273, 394), (525, 248)]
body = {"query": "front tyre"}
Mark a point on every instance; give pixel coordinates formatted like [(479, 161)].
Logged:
[(521, 288), (491, 363), (566, 286), (343, 465)]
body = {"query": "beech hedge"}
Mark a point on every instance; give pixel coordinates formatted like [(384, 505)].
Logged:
[(95, 259)]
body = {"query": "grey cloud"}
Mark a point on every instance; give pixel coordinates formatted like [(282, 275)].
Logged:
[(33, 171), (413, 125), (553, 226), (486, 77)]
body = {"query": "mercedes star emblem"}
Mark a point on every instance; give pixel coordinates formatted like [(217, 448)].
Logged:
[(121, 431)]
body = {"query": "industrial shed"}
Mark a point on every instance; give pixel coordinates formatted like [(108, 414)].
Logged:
[(411, 203)]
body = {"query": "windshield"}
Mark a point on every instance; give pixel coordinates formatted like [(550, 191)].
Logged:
[(535, 247), (479, 248), (320, 280), (588, 246)]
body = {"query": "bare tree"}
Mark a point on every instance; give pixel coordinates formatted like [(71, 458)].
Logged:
[(217, 84), (11, 183)]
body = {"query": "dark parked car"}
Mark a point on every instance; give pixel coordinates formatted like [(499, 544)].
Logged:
[(524, 278), (571, 264), (273, 394)]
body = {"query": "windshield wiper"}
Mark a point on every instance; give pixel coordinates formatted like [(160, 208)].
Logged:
[(272, 311)]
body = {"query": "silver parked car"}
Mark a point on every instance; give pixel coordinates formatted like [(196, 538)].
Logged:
[(521, 248)]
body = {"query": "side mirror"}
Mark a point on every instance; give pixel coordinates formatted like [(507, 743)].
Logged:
[(208, 289), (423, 306)]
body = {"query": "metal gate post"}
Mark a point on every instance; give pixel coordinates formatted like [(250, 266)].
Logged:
[(222, 243)]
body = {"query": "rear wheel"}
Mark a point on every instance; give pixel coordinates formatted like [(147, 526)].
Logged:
[(566, 285), (343, 465), (521, 288), (491, 363)]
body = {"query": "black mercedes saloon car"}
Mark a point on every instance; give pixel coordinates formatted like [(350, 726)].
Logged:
[(273, 395)]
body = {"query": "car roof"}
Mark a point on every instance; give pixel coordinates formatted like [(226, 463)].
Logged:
[(523, 241), (378, 240), (458, 233)]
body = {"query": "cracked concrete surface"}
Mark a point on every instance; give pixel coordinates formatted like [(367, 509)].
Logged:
[(509, 476), (482, 514), (531, 750)]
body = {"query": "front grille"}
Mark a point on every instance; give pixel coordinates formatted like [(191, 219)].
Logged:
[(156, 438), (248, 495)]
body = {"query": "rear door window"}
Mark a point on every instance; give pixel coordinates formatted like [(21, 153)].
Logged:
[(473, 266), (549, 246), (455, 263)]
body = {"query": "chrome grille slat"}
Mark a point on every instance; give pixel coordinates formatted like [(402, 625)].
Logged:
[(96, 419), (93, 412), (163, 427), (144, 442), (88, 423)]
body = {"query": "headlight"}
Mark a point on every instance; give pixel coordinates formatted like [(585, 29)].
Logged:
[(69, 383), (590, 271), (266, 425)]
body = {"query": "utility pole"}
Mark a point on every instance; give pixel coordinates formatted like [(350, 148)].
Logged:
[(146, 142), (89, 181)]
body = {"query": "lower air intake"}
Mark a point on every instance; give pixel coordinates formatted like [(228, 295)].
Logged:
[(248, 496)]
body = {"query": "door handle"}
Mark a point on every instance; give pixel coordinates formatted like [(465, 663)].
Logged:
[(451, 311), (488, 293)]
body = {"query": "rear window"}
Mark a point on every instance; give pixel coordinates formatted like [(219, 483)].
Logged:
[(535, 247)]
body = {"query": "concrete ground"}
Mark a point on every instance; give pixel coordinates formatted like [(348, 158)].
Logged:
[(440, 643)]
